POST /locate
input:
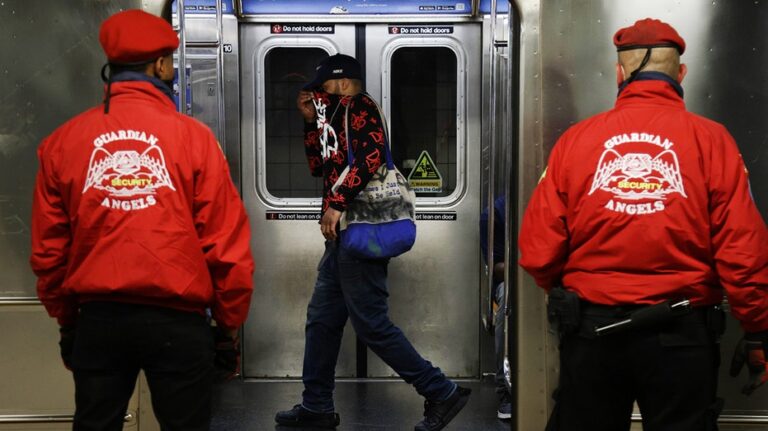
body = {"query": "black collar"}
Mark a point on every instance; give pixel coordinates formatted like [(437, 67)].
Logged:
[(654, 76), (138, 76)]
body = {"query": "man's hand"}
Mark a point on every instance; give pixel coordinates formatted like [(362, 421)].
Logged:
[(66, 344), (752, 350), (328, 223), (227, 360), (306, 107)]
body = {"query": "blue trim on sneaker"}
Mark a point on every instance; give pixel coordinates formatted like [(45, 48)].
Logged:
[(304, 406), (452, 391)]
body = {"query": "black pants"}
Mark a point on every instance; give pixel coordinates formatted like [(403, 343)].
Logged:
[(670, 371), (114, 341)]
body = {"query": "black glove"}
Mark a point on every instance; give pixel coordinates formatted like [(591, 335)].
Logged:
[(752, 350), (227, 360), (66, 344)]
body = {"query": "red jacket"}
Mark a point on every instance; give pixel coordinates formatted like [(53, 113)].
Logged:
[(138, 206), (648, 202)]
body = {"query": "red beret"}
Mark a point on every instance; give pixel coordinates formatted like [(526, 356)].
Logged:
[(134, 36), (648, 33)]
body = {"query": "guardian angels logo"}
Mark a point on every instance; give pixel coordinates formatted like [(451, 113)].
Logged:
[(644, 174), (131, 173)]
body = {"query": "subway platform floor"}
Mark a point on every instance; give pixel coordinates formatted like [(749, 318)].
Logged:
[(368, 405)]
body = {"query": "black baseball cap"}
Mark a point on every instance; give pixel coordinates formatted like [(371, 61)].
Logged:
[(336, 67)]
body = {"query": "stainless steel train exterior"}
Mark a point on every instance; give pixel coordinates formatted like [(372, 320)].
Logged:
[(483, 88)]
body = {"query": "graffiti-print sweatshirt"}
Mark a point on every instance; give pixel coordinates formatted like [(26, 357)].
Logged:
[(646, 203), (325, 144)]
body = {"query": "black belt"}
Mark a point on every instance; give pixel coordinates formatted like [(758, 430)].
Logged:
[(109, 309), (600, 320), (649, 316)]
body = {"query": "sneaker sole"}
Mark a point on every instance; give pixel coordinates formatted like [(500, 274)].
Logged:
[(307, 424), (291, 424), (503, 415)]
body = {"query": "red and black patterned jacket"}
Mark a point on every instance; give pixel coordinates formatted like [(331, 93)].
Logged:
[(325, 143)]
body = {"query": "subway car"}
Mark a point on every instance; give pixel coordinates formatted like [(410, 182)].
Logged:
[(476, 93)]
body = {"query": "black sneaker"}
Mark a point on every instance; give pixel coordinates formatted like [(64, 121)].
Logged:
[(298, 416), (437, 414)]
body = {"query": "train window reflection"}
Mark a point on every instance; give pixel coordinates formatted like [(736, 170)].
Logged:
[(286, 70), (423, 113)]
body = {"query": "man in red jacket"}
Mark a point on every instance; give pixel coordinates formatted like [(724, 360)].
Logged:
[(644, 217), (137, 230)]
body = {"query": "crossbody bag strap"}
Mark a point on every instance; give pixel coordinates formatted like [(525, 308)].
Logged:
[(350, 155), (385, 126)]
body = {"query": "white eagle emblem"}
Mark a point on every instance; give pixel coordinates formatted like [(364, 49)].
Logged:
[(128, 172), (636, 176)]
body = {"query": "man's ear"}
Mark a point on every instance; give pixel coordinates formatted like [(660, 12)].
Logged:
[(619, 74), (157, 66), (682, 72), (162, 68)]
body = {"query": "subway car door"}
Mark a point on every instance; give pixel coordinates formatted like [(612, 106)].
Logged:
[(282, 199), (427, 79), (428, 86)]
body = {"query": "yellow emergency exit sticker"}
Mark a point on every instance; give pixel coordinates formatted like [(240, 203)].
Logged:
[(425, 178)]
